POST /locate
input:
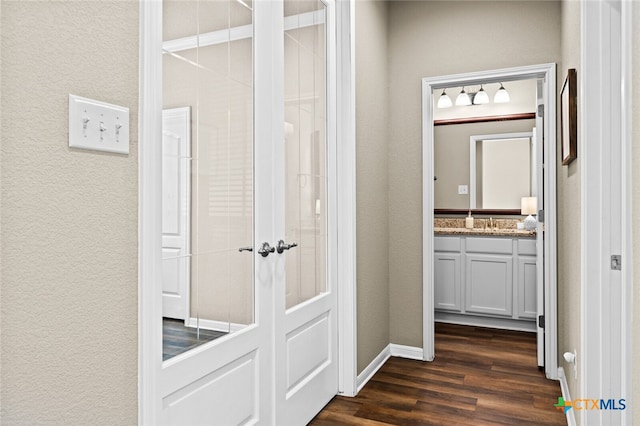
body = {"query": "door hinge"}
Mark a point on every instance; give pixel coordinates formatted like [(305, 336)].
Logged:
[(541, 111), (541, 321), (541, 216), (616, 262)]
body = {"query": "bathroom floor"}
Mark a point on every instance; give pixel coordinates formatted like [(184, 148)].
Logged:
[(177, 338)]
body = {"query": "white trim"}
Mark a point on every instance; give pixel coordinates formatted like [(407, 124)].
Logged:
[(150, 202), (606, 295), (409, 352), (548, 73), (473, 139), (225, 327), (428, 321), (346, 175), (627, 204), (373, 367), (564, 386)]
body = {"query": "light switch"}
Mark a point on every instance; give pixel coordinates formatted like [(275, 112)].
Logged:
[(98, 125), (463, 189)]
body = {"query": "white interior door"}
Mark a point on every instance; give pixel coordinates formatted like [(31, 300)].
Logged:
[(538, 138), (306, 303), (244, 68), (176, 212)]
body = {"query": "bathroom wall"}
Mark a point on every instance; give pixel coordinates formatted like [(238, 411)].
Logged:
[(372, 145), (69, 218), (635, 119), (429, 39), (569, 223)]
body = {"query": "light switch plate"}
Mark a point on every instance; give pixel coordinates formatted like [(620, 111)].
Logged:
[(463, 189), (98, 125)]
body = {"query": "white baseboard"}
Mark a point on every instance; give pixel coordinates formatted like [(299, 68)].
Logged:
[(564, 386), (225, 327), (400, 351), (372, 368), (410, 352)]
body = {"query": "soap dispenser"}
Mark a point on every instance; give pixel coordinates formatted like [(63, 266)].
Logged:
[(468, 223)]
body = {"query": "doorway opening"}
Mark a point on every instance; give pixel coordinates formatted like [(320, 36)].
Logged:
[(524, 292)]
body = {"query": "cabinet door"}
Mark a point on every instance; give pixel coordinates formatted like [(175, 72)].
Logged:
[(489, 284), (527, 305), (447, 283)]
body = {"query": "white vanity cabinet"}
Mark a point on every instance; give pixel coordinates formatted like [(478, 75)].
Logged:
[(447, 274), (486, 281)]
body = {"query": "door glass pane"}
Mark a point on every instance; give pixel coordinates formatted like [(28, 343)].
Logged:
[(207, 171), (305, 149)]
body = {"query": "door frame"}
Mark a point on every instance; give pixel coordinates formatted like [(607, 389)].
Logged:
[(604, 360), (150, 203), (429, 86)]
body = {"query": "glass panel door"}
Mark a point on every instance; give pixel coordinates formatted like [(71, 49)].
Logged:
[(305, 68), (208, 74)]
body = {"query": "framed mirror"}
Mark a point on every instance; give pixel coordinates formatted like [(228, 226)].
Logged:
[(501, 170)]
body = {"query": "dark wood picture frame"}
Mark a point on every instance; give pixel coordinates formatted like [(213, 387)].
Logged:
[(569, 118)]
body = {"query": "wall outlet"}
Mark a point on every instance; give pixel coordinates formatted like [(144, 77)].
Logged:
[(463, 189)]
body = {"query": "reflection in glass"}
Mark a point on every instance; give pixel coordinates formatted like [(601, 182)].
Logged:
[(305, 149), (207, 186)]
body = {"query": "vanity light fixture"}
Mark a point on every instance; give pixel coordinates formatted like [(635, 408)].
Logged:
[(463, 99), (444, 101), (481, 97), (501, 96), (529, 206)]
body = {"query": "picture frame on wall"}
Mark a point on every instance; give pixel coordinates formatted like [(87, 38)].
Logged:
[(569, 118)]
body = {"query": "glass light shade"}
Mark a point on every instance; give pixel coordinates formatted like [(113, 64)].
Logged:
[(502, 96), (481, 97), (444, 101), (463, 99)]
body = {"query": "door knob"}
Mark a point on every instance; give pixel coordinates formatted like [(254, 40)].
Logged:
[(282, 246), (265, 249)]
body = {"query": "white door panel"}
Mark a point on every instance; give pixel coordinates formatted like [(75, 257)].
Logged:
[(176, 199)]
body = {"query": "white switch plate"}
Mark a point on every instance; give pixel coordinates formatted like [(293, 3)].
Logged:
[(98, 125), (463, 189)]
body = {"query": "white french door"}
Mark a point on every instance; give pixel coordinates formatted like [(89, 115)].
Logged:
[(259, 77)]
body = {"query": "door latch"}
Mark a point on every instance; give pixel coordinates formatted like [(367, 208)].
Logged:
[(616, 262)]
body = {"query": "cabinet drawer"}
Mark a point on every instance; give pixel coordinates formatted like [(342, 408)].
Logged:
[(527, 247), (490, 245), (446, 244)]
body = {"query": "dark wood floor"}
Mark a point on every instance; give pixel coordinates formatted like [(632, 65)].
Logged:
[(176, 338), (480, 377)]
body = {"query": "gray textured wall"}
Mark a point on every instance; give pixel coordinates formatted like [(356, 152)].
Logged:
[(372, 139), (69, 303), (429, 39)]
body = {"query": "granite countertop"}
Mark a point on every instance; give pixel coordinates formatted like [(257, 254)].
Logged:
[(484, 232), (499, 227)]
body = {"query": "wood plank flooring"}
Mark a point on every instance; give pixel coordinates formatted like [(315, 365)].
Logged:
[(480, 377)]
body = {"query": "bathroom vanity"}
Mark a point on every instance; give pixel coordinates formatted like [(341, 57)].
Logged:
[(485, 277)]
